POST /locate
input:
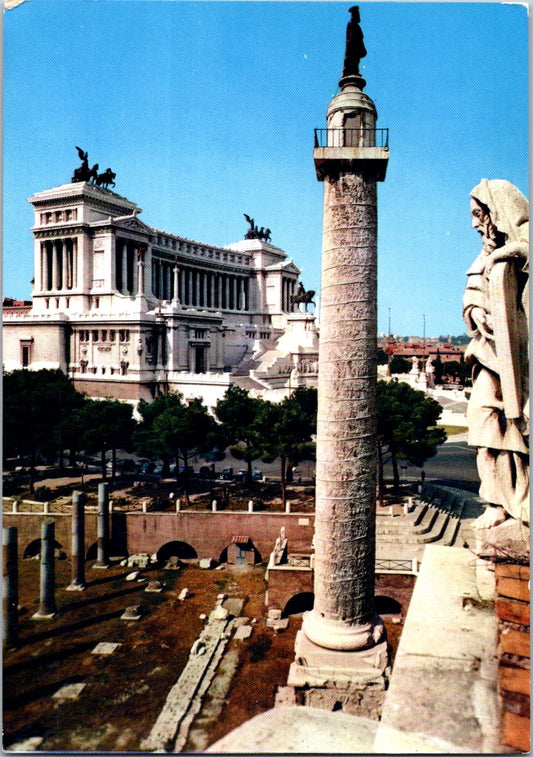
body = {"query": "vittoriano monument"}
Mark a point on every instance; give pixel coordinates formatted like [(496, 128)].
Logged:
[(496, 313), (341, 651)]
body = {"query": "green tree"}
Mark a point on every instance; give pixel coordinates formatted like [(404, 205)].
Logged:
[(239, 413), (406, 424), (173, 428), (287, 429), (106, 425), (37, 405), (399, 364), (382, 356)]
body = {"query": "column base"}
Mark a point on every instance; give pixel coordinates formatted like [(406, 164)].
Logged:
[(43, 616), (341, 636), (76, 587), (351, 681)]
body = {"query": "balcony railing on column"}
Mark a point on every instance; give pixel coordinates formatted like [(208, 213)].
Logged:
[(351, 137)]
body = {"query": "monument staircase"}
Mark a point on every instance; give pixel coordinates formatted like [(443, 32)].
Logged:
[(268, 365), (439, 515)]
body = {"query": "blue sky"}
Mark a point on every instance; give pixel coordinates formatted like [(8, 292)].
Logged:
[(206, 110)]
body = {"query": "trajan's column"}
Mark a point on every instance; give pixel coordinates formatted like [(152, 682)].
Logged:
[(341, 651)]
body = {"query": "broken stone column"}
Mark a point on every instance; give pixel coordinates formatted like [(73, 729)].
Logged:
[(78, 543), (102, 559), (342, 646), (47, 605), (11, 589)]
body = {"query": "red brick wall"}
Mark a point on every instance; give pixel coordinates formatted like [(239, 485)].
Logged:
[(512, 608), (208, 533), (29, 528), (285, 584), (211, 533)]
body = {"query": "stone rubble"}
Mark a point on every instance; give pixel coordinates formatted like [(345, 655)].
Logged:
[(184, 700)]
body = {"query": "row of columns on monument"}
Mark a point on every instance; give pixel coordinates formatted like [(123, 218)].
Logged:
[(200, 288), (129, 267), (191, 286), (47, 604), (288, 287), (59, 264)]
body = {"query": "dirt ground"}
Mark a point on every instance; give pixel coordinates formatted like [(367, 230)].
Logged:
[(125, 691)]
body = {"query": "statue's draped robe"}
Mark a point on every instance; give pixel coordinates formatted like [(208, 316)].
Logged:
[(498, 409)]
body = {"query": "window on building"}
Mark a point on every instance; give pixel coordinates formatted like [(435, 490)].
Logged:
[(112, 335), (104, 335), (200, 362), (95, 335), (200, 333), (25, 354)]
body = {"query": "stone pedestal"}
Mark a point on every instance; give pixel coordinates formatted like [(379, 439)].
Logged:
[(351, 681), (510, 539)]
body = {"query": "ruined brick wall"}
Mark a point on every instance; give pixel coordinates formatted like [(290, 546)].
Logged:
[(29, 528), (208, 533), (211, 533)]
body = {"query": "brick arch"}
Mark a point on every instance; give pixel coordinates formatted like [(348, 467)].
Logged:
[(386, 605), (299, 603), (181, 549), (33, 549)]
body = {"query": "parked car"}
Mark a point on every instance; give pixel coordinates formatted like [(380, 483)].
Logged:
[(122, 466), (158, 470), (205, 471), (257, 475), (147, 467), (227, 474)]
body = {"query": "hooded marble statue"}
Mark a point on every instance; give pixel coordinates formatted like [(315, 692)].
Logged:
[(496, 313)]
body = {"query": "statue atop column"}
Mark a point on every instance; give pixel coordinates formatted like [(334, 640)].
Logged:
[(496, 313), (355, 47)]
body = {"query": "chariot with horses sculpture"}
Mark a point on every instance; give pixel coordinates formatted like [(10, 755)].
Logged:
[(255, 233), (85, 173)]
